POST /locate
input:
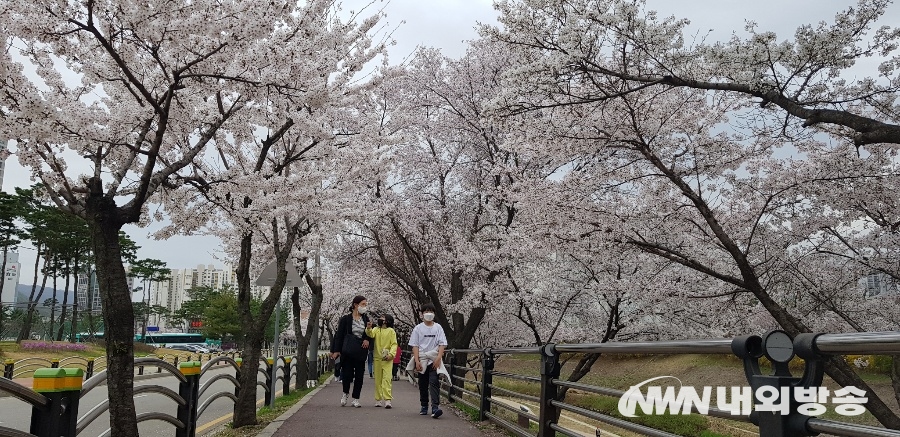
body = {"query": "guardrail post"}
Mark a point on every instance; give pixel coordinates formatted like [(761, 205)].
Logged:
[(188, 390), (451, 361), (72, 394), (270, 377), (487, 378), (62, 387), (8, 368), (237, 375), (549, 371), (287, 376), (779, 348), (54, 363), (89, 371)]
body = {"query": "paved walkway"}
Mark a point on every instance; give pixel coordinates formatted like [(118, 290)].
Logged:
[(323, 416)]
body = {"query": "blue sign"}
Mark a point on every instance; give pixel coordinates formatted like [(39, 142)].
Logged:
[(152, 328)]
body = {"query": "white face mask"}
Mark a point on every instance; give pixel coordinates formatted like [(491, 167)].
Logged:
[(428, 317), (361, 309)]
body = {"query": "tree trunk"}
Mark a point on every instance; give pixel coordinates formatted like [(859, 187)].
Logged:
[(255, 327), (25, 332), (304, 340), (118, 314), (250, 342), (53, 307), (62, 316), (302, 374)]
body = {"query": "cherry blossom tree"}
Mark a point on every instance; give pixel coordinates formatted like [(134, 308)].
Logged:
[(792, 84), (676, 159), (126, 97), (268, 184)]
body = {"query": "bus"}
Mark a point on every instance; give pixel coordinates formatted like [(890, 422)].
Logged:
[(169, 338), (162, 339)]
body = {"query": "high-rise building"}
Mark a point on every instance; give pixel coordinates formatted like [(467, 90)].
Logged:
[(175, 291), (95, 304), (878, 285), (13, 269)]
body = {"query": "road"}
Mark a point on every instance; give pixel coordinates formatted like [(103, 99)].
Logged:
[(16, 414)]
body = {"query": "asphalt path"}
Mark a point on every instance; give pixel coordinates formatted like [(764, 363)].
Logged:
[(16, 414)]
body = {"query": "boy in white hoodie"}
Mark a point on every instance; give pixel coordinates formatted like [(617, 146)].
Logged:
[(428, 342)]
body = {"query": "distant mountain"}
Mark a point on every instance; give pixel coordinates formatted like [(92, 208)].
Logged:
[(24, 290)]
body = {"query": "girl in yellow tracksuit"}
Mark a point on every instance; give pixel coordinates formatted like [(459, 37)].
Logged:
[(383, 354)]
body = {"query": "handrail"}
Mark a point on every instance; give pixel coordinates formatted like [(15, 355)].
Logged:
[(143, 417), (23, 393), (624, 424), (847, 429), (162, 364), (9, 432), (217, 360), (209, 382), (93, 382), (870, 343), (91, 415), (703, 346), (158, 389), (217, 395)]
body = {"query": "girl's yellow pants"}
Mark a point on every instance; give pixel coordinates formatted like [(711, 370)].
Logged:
[(383, 381)]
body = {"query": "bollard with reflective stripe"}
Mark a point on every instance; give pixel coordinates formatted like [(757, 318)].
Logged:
[(287, 376), (270, 374), (62, 387), (188, 390)]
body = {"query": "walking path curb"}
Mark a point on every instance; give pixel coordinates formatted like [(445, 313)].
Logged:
[(273, 426)]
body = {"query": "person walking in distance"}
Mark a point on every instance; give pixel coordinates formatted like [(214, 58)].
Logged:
[(397, 357), (384, 351), (351, 344), (428, 342)]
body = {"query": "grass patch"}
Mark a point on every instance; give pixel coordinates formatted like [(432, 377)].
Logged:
[(471, 412), (266, 415)]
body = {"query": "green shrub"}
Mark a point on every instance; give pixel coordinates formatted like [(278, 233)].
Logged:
[(881, 364)]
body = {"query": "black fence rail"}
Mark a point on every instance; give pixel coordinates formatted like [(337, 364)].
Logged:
[(56, 392), (473, 384)]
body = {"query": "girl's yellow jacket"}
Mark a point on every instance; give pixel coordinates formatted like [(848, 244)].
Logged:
[(385, 342)]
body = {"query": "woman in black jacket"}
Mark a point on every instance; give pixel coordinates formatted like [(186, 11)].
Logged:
[(351, 344)]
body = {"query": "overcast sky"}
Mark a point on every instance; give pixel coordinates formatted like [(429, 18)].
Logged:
[(447, 24)]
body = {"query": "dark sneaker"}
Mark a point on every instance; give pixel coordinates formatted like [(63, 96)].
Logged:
[(436, 413), (423, 411)]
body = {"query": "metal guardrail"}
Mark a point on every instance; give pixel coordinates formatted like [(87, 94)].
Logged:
[(56, 393), (776, 346)]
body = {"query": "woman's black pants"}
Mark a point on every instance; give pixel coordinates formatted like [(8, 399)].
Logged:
[(352, 371)]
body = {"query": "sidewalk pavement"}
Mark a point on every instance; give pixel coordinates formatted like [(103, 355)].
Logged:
[(322, 416)]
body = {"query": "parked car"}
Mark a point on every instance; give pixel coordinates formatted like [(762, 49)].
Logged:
[(198, 349)]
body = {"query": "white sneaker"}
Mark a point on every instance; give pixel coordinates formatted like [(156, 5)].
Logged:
[(387, 405), (355, 403), (378, 403), (344, 399)]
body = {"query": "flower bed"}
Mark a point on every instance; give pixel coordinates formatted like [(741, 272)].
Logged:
[(48, 346)]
